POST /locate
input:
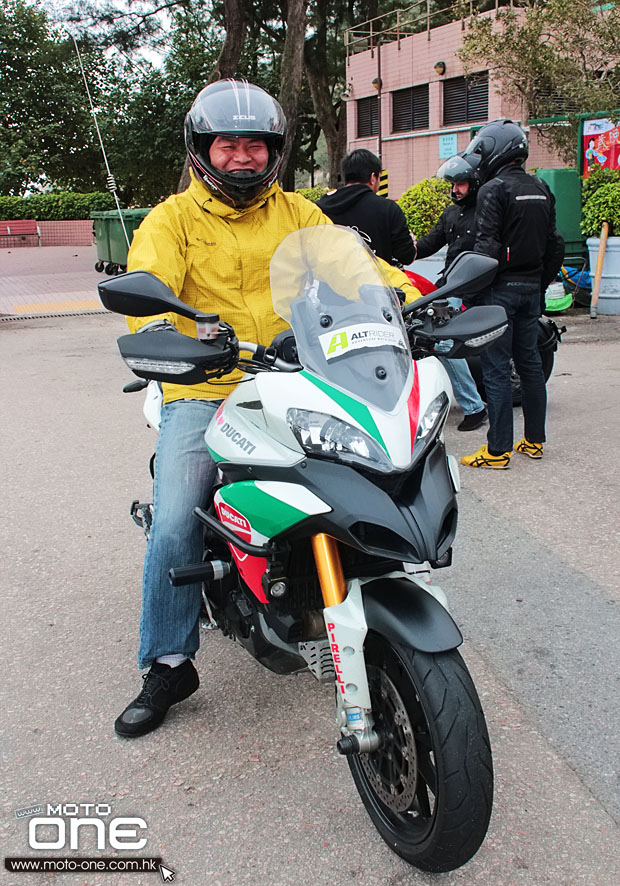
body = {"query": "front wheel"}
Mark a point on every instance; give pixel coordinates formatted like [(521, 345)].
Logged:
[(429, 788)]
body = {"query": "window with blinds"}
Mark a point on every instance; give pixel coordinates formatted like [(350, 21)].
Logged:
[(410, 108), (550, 102), (466, 100), (367, 116)]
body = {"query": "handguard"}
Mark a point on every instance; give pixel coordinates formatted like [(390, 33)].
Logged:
[(169, 356)]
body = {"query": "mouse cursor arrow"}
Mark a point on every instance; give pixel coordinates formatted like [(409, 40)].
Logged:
[(166, 874)]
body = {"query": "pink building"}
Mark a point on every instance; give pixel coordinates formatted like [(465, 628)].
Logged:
[(409, 102)]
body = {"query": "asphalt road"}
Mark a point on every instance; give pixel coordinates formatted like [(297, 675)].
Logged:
[(242, 784)]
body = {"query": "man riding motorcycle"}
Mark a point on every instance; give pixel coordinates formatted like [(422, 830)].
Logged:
[(211, 245)]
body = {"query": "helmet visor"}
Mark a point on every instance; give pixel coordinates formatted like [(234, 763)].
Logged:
[(237, 108), (457, 169)]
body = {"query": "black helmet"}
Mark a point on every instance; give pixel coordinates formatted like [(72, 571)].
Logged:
[(461, 169), (237, 109), (497, 144)]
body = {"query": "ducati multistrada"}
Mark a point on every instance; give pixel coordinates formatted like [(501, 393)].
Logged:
[(334, 489)]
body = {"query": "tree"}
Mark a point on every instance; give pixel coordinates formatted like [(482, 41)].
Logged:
[(46, 131), (555, 58), (330, 109), (235, 27), (294, 49), (276, 33), (144, 136), (262, 41), (324, 59), (291, 72), (194, 59), (125, 25)]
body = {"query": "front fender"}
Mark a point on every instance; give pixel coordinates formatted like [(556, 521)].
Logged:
[(403, 612)]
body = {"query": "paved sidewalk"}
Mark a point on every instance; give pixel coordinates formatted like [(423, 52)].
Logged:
[(57, 280), (49, 280)]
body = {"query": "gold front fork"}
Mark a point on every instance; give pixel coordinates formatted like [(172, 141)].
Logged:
[(329, 568)]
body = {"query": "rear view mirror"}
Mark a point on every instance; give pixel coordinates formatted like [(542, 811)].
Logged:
[(141, 294), (470, 272)]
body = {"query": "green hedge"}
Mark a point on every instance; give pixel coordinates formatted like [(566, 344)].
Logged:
[(602, 206), (423, 204), (312, 194), (63, 206), (598, 178)]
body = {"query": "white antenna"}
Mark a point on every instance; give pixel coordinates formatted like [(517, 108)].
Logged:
[(110, 178)]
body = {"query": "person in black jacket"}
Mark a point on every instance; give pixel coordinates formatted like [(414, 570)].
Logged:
[(455, 227), (515, 223), (456, 224), (379, 221)]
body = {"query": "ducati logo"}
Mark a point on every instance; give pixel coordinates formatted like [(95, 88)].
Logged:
[(237, 438)]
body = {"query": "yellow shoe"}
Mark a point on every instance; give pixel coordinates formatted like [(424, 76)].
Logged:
[(534, 450), (483, 459)]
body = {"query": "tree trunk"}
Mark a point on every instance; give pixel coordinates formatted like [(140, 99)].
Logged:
[(236, 27), (332, 120), (291, 72), (226, 64)]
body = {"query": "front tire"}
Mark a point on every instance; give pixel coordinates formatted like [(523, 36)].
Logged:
[(429, 788)]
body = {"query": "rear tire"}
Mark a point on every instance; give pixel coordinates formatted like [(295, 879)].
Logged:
[(429, 788)]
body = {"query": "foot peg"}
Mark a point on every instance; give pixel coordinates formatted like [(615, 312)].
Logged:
[(208, 570), (142, 515)]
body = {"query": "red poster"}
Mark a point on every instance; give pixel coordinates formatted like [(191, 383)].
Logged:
[(601, 145)]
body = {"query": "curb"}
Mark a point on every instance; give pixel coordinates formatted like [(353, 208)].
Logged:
[(580, 327)]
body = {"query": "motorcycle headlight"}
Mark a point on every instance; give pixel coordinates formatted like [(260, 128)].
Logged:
[(431, 423), (323, 435)]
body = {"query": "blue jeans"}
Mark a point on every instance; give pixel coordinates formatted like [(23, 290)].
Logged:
[(522, 304), (463, 385), (184, 475)]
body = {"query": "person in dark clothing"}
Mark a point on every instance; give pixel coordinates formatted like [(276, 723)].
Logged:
[(515, 223), (455, 227), (379, 221)]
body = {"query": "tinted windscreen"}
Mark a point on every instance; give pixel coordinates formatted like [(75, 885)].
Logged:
[(345, 315)]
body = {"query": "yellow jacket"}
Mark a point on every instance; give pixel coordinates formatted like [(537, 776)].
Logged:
[(216, 258)]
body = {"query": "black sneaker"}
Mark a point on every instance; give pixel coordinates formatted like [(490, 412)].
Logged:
[(163, 687), (473, 421)]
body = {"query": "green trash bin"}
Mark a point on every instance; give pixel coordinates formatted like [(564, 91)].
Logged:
[(112, 246), (565, 186)]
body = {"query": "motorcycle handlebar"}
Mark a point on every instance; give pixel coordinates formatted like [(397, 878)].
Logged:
[(267, 357)]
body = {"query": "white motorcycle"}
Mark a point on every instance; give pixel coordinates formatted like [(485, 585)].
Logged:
[(334, 487)]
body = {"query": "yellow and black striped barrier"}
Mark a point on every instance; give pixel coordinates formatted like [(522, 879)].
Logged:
[(383, 183)]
